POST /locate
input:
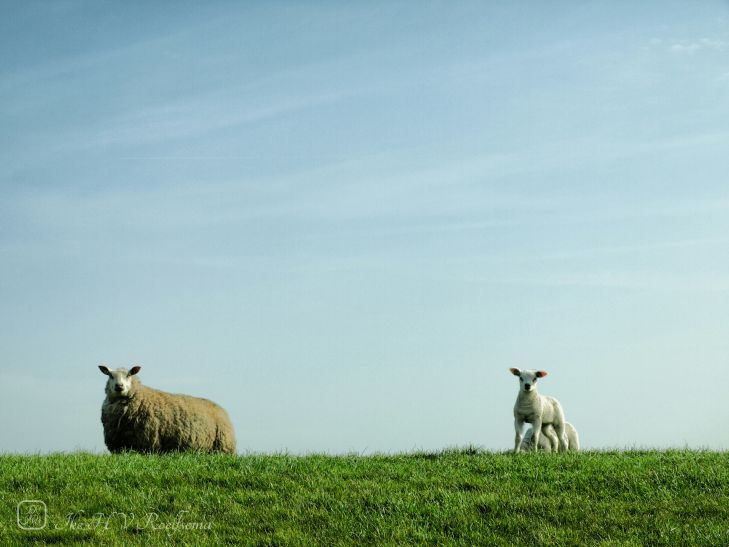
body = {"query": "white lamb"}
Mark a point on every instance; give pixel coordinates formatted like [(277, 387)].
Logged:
[(537, 410), (545, 444)]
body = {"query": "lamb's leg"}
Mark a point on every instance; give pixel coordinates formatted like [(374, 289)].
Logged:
[(526, 442), (518, 427), (562, 436), (573, 440), (548, 431), (558, 423), (537, 428)]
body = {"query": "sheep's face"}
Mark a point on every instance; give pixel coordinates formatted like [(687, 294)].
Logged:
[(121, 382), (528, 378)]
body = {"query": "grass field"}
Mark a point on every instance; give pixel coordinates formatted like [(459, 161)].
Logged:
[(453, 497)]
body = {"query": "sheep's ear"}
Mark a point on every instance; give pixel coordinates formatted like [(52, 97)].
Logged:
[(541, 373), (105, 370), (134, 370), (515, 371)]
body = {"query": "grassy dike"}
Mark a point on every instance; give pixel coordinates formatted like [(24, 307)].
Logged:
[(453, 497)]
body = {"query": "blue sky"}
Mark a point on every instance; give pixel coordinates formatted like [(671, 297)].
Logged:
[(345, 222)]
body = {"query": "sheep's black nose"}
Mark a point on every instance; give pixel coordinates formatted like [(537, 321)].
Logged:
[(118, 388), (527, 387)]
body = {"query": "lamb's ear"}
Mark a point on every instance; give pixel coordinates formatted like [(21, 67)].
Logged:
[(134, 370), (105, 370), (541, 373), (515, 371)]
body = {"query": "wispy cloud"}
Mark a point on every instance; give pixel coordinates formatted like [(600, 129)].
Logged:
[(692, 46), (568, 255), (197, 117), (689, 45), (347, 191), (460, 194), (75, 65), (644, 281)]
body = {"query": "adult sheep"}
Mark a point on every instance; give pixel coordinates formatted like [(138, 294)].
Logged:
[(137, 417)]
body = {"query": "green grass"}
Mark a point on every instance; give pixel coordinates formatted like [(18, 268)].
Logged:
[(453, 497)]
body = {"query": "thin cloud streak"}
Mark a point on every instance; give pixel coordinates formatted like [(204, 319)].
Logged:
[(195, 119), (653, 282)]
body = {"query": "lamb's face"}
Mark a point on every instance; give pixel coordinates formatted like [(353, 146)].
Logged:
[(121, 382), (528, 378)]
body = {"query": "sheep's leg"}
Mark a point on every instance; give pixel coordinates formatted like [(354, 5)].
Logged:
[(518, 427), (573, 440), (537, 431), (526, 442), (562, 436), (548, 431)]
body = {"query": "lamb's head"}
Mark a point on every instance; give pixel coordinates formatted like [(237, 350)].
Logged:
[(528, 378), (121, 383)]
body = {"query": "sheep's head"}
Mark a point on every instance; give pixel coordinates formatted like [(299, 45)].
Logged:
[(121, 382), (528, 378)]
